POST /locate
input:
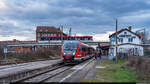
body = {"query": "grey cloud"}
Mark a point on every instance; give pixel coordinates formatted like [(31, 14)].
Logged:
[(84, 15)]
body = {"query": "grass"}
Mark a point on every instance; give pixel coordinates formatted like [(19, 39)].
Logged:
[(113, 72)]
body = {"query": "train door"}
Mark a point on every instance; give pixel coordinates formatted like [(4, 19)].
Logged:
[(82, 50)]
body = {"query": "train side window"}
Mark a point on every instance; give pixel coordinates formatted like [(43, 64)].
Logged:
[(89, 52), (83, 49), (80, 48)]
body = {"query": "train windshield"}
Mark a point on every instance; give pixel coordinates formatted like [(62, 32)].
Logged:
[(70, 46)]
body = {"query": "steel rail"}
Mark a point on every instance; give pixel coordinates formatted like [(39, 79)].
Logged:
[(54, 75)]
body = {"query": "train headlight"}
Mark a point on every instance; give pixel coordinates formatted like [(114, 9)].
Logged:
[(64, 53), (79, 55), (73, 53)]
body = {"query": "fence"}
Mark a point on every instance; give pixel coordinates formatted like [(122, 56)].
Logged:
[(147, 51)]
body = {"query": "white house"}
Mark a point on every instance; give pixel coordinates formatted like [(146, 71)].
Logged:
[(128, 42)]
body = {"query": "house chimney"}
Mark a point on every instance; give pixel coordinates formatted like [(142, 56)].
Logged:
[(14, 40), (130, 28)]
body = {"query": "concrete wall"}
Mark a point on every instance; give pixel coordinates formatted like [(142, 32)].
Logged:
[(136, 50)]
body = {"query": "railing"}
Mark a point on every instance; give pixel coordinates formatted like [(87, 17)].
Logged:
[(34, 44)]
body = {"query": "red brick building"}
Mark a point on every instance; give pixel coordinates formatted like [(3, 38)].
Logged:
[(48, 31), (18, 48), (51, 33)]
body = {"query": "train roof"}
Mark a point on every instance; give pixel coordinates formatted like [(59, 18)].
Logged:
[(77, 42)]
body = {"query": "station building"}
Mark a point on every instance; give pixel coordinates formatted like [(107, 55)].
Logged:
[(128, 43), (48, 31)]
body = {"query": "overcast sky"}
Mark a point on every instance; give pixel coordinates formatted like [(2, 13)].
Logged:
[(19, 18)]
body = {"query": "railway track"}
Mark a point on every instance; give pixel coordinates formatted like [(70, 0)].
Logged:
[(44, 76), (29, 78)]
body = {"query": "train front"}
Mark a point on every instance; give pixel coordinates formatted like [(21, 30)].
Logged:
[(69, 51)]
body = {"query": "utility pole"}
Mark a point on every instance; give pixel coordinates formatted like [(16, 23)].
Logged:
[(61, 35), (116, 41)]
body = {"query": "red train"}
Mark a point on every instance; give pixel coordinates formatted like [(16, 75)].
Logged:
[(76, 51)]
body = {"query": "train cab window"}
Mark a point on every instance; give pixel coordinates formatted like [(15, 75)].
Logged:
[(83, 49), (70, 46)]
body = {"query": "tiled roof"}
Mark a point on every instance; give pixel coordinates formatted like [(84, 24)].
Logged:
[(47, 29), (16, 41), (124, 30)]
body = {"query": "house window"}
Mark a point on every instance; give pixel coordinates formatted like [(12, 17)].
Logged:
[(130, 39), (40, 30), (121, 40), (125, 32), (46, 30)]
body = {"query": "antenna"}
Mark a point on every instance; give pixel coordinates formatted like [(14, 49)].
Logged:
[(70, 32)]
